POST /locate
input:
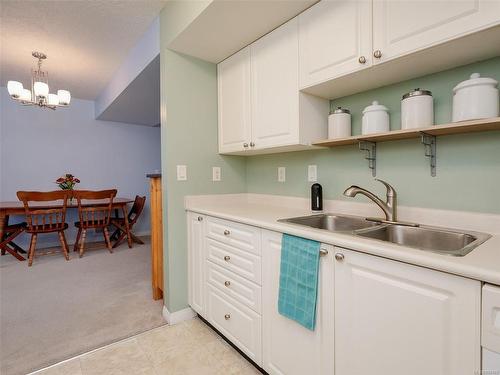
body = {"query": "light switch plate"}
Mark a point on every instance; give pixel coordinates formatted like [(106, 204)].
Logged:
[(312, 173), (216, 174), (181, 173), (281, 174)]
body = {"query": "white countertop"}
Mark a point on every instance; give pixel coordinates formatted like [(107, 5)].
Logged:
[(263, 211)]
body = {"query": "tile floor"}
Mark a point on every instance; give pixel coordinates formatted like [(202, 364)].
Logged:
[(187, 348)]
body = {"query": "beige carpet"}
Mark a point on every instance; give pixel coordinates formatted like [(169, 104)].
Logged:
[(56, 309)]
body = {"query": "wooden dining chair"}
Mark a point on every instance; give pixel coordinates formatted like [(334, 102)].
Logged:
[(10, 232), (94, 213), (44, 220), (121, 232)]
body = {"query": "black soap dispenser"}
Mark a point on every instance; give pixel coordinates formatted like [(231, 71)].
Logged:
[(316, 197)]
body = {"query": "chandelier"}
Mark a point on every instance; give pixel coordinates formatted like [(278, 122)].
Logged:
[(39, 94)]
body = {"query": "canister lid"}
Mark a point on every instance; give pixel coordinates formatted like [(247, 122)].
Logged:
[(416, 92), (340, 110), (476, 80), (375, 107)]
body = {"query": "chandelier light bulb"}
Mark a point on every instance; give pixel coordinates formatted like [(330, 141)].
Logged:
[(25, 95), (38, 94), (53, 99), (41, 89), (15, 89), (64, 97)]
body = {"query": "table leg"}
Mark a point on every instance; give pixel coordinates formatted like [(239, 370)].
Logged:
[(127, 228), (3, 223)]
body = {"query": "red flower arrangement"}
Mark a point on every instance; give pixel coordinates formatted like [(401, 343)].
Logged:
[(67, 182)]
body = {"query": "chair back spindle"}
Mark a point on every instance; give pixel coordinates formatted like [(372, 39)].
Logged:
[(40, 219)]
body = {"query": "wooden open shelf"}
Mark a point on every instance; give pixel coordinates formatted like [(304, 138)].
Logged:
[(444, 129)]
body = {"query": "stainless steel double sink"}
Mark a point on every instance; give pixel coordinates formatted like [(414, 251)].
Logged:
[(439, 240)]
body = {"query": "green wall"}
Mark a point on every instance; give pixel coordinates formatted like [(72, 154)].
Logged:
[(189, 137), (468, 165)]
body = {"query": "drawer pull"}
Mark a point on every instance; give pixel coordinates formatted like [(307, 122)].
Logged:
[(227, 233), (227, 283), (200, 218), (227, 316), (227, 258)]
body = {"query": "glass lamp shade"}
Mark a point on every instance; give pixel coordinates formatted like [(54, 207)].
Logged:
[(25, 95), (64, 97), (53, 99), (15, 88), (41, 89)]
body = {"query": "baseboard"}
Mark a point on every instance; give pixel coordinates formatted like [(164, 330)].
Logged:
[(178, 316)]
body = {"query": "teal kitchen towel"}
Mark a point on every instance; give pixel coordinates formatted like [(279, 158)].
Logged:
[(299, 280)]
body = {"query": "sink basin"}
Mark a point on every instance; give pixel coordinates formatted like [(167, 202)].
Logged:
[(437, 240), (332, 222)]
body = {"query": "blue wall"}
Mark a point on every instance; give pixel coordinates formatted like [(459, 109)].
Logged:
[(38, 145)]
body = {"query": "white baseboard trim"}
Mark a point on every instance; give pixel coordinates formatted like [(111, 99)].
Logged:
[(178, 316)]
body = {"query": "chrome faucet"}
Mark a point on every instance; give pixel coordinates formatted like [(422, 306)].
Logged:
[(389, 207)]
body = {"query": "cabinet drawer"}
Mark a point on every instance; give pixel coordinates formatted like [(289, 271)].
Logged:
[(240, 262), (238, 323), (490, 335), (242, 236), (240, 289)]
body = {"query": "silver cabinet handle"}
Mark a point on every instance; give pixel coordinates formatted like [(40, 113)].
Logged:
[(227, 283), (227, 258), (200, 218), (227, 316), (362, 59), (339, 257), (323, 252), (252, 144), (377, 54), (227, 233), (245, 145)]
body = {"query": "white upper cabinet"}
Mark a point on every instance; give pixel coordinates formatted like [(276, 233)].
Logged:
[(261, 109), (233, 86), (288, 347), (393, 318), (335, 38), (403, 27), (275, 99)]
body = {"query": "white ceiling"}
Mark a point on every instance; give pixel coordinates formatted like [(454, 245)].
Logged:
[(224, 27), (85, 41)]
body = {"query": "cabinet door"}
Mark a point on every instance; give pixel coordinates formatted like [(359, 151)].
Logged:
[(196, 262), (402, 27), (275, 97), (233, 82), (288, 347), (335, 38), (393, 318)]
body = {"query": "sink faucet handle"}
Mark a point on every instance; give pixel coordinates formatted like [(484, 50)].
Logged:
[(391, 192)]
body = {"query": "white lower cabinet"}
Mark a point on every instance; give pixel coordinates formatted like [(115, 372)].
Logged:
[(196, 262), (289, 348), (237, 322), (374, 315), (393, 318)]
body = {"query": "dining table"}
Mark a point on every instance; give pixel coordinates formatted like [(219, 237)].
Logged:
[(13, 208)]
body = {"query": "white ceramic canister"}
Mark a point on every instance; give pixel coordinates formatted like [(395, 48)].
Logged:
[(375, 119), (475, 98), (339, 123), (417, 109)]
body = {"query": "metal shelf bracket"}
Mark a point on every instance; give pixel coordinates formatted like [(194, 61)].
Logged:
[(429, 142), (371, 154)]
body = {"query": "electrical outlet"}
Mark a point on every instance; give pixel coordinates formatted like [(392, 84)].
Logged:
[(181, 173), (281, 174), (216, 175), (312, 173)]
